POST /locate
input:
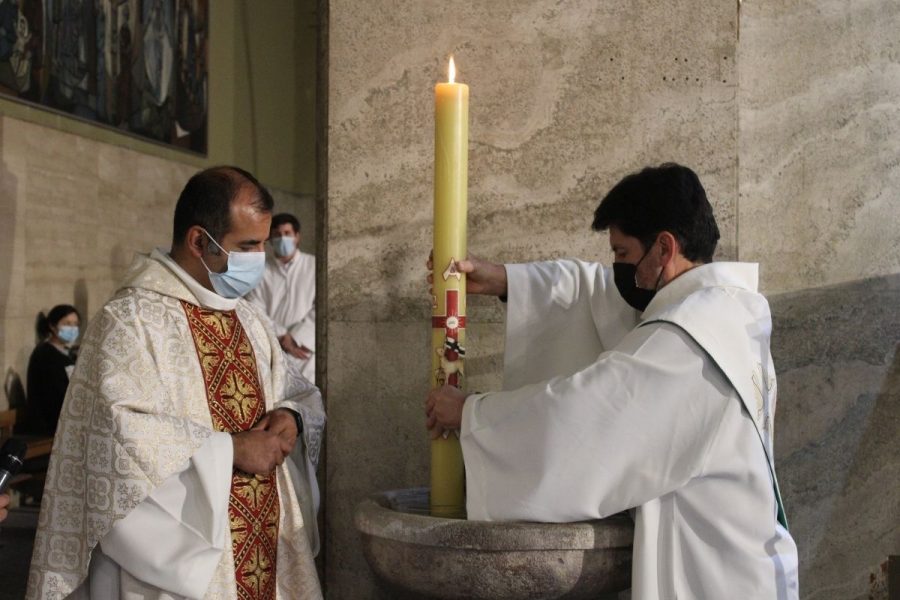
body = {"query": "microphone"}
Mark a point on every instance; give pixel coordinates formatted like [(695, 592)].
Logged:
[(12, 456)]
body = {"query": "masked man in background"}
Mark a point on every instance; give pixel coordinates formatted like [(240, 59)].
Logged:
[(287, 293)]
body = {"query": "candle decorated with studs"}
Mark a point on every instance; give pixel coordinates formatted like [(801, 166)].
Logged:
[(448, 321)]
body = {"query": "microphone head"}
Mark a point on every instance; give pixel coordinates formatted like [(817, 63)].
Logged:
[(12, 455)]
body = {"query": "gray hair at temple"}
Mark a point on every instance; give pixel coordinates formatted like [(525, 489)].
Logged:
[(206, 201)]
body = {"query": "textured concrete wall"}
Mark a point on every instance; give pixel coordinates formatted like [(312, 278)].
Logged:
[(566, 97), (819, 174)]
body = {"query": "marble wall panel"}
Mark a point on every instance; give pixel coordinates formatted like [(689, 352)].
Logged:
[(566, 98), (837, 353), (819, 162), (819, 97), (564, 101)]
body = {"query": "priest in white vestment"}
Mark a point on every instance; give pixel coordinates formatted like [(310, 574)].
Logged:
[(287, 293), (649, 387), (184, 462)]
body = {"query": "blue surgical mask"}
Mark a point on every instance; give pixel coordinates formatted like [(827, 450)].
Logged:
[(245, 271), (67, 333), (283, 246)]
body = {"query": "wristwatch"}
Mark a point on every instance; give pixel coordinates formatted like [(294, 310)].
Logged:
[(299, 421)]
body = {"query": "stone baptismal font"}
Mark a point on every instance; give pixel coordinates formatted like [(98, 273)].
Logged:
[(415, 555)]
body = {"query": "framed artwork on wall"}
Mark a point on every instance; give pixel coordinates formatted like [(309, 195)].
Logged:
[(139, 66)]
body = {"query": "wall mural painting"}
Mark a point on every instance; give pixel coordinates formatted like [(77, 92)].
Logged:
[(137, 65)]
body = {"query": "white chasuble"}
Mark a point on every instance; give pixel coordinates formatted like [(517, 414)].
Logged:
[(672, 418), (137, 494)]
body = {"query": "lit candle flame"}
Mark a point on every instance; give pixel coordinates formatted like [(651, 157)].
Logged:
[(452, 71)]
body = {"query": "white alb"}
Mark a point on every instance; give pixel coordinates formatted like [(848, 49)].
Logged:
[(668, 413)]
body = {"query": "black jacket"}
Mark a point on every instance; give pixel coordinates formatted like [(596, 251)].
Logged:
[(47, 383)]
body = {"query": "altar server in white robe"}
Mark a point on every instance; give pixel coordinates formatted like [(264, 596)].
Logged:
[(287, 293), (184, 462), (648, 386)]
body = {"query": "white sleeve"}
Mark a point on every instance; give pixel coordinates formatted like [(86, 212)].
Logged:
[(630, 427), (560, 316), (174, 539), (302, 325), (304, 398), (304, 331), (261, 297)]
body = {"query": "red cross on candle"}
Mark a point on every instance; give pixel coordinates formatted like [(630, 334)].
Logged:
[(451, 321)]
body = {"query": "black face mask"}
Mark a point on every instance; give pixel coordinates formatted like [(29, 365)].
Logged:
[(625, 275)]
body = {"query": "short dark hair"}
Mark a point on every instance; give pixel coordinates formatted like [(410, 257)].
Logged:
[(664, 198), (56, 314), (282, 218), (206, 201)]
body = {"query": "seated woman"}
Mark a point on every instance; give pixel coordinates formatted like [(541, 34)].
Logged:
[(49, 368)]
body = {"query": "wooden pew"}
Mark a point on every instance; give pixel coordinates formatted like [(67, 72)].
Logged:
[(38, 445), (30, 482)]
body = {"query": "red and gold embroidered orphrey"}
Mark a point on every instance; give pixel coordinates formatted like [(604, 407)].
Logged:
[(236, 403)]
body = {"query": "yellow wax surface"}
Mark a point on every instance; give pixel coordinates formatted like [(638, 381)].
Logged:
[(451, 145), (451, 171)]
